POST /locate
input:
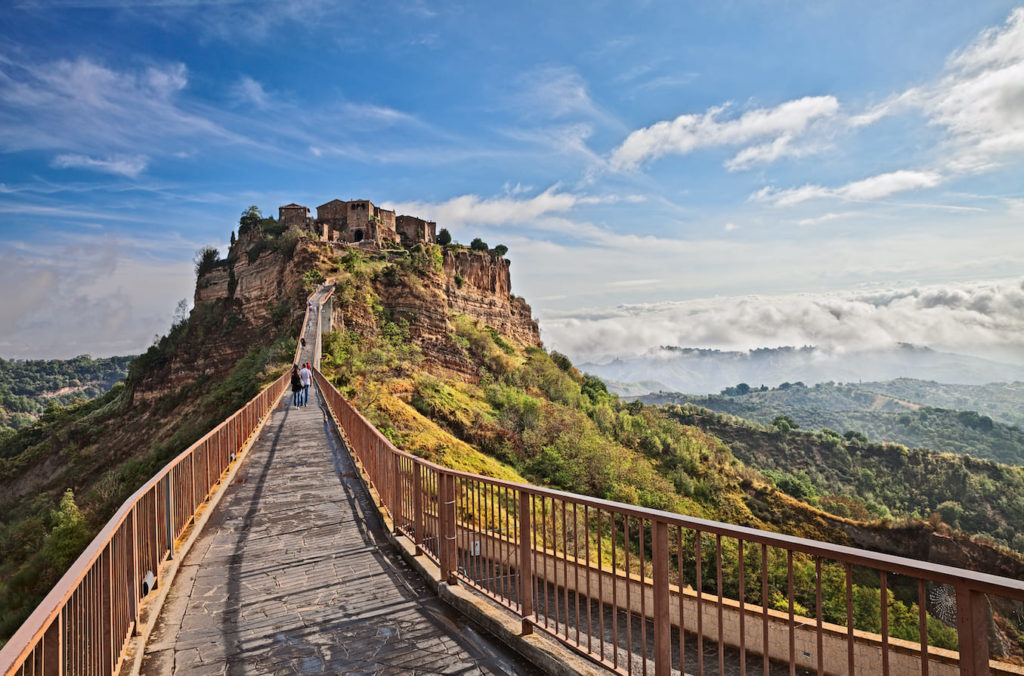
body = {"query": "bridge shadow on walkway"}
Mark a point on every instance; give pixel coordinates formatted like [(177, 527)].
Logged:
[(292, 574)]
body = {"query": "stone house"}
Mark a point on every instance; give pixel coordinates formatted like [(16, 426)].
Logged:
[(413, 230), (293, 214)]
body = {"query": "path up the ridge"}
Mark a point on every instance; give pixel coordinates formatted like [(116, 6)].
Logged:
[(293, 574)]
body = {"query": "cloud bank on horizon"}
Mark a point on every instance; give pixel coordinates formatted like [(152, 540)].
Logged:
[(638, 157), (981, 319)]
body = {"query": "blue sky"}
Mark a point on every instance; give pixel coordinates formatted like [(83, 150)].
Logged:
[(640, 160)]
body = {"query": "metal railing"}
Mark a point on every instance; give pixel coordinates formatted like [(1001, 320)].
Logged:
[(85, 623), (644, 591)]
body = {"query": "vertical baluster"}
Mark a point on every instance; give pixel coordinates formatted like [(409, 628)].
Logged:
[(884, 591), (764, 608), (817, 601), (792, 621), (741, 564), (699, 555), (721, 594), (662, 623), (922, 619)]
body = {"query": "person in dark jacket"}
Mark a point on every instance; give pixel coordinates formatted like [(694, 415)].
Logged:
[(296, 385)]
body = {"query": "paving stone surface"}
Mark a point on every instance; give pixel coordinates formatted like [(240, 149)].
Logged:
[(292, 574)]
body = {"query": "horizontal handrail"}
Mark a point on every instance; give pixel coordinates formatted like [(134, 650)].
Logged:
[(84, 623), (452, 515)]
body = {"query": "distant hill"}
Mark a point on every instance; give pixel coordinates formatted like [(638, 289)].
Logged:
[(1002, 401), (28, 387), (701, 371), (879, 417)]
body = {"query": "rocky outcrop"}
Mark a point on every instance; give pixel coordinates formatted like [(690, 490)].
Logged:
[(479, 286), (239, 304)]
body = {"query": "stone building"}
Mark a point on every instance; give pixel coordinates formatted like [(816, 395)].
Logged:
[(413, 231), (356, 221), (293, 214)]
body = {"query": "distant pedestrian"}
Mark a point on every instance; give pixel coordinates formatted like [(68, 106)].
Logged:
[(303, 343), (306, 376), (296, 386)]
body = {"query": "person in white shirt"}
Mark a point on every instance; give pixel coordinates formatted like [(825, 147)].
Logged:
[(306, 376)]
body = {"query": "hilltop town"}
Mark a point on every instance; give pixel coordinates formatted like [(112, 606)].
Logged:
[(359, 222)]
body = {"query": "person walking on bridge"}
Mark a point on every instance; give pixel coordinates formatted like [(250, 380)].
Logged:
[(296, 386), (306, 376)]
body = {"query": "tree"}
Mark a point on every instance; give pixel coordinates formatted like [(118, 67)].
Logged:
[(250, 219), (444, 237), (233, 240), (501, 250), (478, 244), (205, 260)]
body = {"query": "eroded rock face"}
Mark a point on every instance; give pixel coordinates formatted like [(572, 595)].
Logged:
[(236, 307), (485, 294), (471, 283)]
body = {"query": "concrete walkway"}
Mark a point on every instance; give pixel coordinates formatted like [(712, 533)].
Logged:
[(292, 574)]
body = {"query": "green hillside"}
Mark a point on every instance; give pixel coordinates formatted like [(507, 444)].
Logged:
[(1003, 402), (879, 417), (28, 387)]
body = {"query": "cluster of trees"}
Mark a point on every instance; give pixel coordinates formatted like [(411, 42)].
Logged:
[(444, 238)]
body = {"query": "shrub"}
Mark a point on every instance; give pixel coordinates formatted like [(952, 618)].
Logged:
[(478, 244)]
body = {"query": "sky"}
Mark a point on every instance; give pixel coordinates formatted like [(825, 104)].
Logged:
[(727, 174)]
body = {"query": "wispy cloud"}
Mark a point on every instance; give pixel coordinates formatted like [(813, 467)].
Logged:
[(83, 107), (687, 133), (871, 188), (122, 165), (249, 91)]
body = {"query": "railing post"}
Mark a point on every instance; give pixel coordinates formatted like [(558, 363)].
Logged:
[(972, 630), (662, 623), (526, 561), (417, 505), (169, 512), (396, 492), (446, 514), (135, 569)]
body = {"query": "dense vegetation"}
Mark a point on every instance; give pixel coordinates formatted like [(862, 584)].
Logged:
[(879, 417), (851, 477), (28, 387), (526, 414)]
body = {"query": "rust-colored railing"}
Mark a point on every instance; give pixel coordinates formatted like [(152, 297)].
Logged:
[(84, 624), (644, 591)]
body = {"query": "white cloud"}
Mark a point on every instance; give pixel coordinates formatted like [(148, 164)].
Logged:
[(871, 188), (122, 165), (250, 91), (509, 208), (981, 100), (970, 317), (100, 298), (686, 133)]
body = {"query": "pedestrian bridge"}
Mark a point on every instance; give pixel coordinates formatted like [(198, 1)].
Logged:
[(299, 539)]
